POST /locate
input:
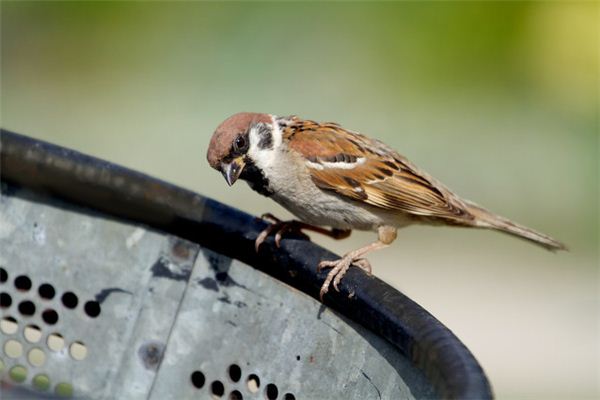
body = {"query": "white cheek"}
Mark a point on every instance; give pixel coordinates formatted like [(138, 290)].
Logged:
[(265, 159)]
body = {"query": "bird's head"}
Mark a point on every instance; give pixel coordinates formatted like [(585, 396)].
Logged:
[(230, 144)]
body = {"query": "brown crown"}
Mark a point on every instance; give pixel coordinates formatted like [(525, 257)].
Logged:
[(222, 139)]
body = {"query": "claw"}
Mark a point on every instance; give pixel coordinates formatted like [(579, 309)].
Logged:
[(325, 287), (341, 266), (260, 239), (263, 236), (339, 269), (280, 233), (323, 292), (340, 274)]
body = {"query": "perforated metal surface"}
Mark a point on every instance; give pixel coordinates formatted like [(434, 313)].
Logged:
[(167, 319)]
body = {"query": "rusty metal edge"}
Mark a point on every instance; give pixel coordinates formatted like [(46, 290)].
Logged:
[(123, 193)]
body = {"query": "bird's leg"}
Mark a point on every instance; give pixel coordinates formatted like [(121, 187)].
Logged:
[(281, 227), (387, 235)]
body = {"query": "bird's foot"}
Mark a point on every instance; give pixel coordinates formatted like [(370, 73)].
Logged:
[(339, 269), (297, 228), (280, 228)]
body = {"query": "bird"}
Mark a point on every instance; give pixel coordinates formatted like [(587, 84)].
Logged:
[(335, 180)]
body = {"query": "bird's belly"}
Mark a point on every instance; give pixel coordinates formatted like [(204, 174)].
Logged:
[(321, 208), (298, 194)]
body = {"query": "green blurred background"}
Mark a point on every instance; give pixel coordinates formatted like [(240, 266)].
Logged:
[(497, 100)]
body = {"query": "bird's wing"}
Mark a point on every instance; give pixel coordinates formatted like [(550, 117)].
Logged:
[(368, 171)]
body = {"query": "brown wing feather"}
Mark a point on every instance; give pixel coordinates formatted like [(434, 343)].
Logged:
[(378, 175)]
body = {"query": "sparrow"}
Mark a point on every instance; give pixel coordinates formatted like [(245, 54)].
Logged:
[(335, 180)]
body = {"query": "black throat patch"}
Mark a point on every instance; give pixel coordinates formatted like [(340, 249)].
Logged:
[(256, 178)]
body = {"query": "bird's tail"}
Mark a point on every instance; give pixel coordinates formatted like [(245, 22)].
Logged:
[(487, 219)]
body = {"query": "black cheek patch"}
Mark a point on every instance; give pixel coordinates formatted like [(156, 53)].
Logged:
[(265, 136)]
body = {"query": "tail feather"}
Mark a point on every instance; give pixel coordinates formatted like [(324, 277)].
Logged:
[(487, 219)]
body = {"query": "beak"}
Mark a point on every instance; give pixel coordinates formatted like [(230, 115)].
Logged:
[(231, 172)]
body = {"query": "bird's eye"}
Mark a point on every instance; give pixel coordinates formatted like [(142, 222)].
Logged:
[(241, 144)]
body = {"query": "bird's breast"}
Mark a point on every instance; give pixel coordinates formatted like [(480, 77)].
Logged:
[(294, 189)]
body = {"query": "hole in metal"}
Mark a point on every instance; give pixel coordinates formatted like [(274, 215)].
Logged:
[(32, 333), (235, 372), (70, 300), (3, 275), (18, 373), (92, 308), (55, 342), (198, 379), (27, 308), (41, 382), (46, 291), (36, 357), (271, 391), (50, 316), (64, 389), (22, 283), (13, 349), (5, 300), (78, 351), (289, 396), (236, 395), (253, 383), (217, 389), (8, 325)]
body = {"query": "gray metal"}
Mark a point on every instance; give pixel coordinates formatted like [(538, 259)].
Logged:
[(169, 308)]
